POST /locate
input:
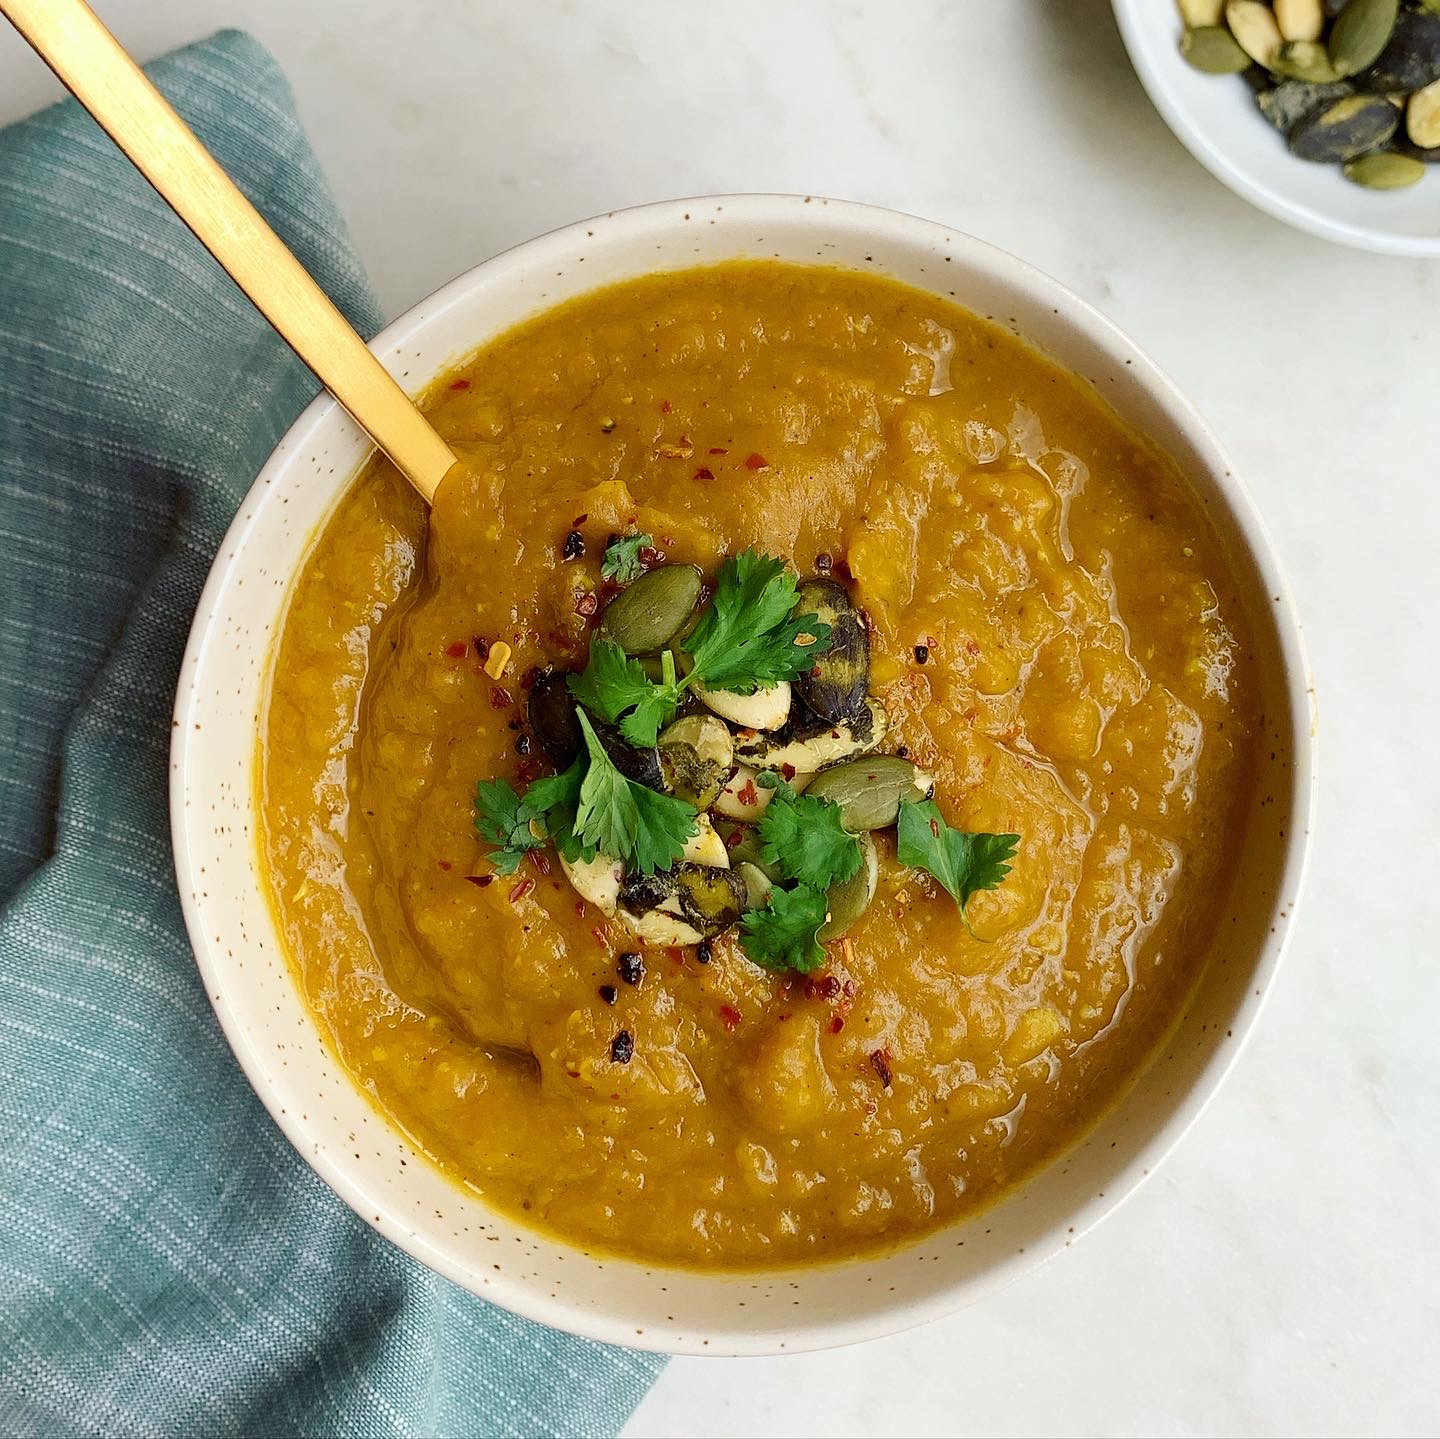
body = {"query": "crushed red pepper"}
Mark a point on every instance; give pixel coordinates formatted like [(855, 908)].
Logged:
[(521, 890), (501, 698), (703, 474), (731, 1017), (880, 1063), (586, 605), (483, 880), (457, 650)]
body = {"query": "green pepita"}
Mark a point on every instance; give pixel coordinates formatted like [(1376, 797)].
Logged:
[(1253, 26), (869, 790), (1360, 32), (757, 884), (1384, 170), (1214, 50), (850, 898), (645, 616)]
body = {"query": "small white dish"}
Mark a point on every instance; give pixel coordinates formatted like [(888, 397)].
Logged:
[(1216, 119), (223, 681)]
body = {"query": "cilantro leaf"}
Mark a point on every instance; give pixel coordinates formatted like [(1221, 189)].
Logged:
[(613, 684), (746, 639), (622, 558), (805, 837), (964, 863), (782, 935), (553, 801), (643, 829), (502, 820)]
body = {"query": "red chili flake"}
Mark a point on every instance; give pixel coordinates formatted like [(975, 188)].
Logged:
[(501, 698), (788, 772), (580, 908), (756, 462), (665, 407), (482, 647), (972, 647), (734, 838), (600, 937), (483, 880), (935, 829), (675, 952), (783, 1018), (748, 795), (836, 1025), (731, 1017), (667, 540), (530, 769), (457, 650), (521, 890), (703, 474), (459, 384), (648, 554), (578, 521), (880, 1063), (586, 605), (527, 680), (540, 861), (849, 988), (717, 450), (443, 863), (829, 986)]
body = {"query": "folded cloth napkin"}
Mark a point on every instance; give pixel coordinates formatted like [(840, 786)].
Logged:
[(168, 1264)]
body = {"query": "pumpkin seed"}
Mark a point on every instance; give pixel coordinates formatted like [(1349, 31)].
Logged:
[(836, 683), (1199, 14), (1360, 33), (749, 849), (848, 899), (1253, 26), (1422, 117), (1213, 50), (757, 884), (1306, 60), (645, 616), (1300, 19), (802, 750), (1410, 59), (1344, 129), (765, 709), (1384, 170), (869, 791), (1287, 104), (695, 756)]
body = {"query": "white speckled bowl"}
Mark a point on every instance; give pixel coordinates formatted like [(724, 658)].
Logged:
[(1216, 119), (213, 801)]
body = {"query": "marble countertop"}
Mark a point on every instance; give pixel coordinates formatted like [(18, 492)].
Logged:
[(1281, 1274)]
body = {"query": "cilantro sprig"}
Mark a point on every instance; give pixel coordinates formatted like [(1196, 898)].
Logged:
[(805, 838), (749, 638), (516, 824), (783, 935), (622, 561), (964, 863)]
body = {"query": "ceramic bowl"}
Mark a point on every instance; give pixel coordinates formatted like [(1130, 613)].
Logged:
[(1216, 119), (369, 1164)]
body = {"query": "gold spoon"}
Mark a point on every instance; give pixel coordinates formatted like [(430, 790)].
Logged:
[(91, 64)]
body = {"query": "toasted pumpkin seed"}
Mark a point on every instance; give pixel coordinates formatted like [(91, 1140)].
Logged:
[(869, 790), (1287, 104), (1300, 19), (848, 899), (757, 884), (1198, 14), (1253, 26), (1384, 170), (1213, 50), (1360, 33), (1306, 60), (1344, 129), (1422, 117), (645, 616), (835, 685), (1410, 59)]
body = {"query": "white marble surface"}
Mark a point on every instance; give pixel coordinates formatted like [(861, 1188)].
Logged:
[(1282, 1274)]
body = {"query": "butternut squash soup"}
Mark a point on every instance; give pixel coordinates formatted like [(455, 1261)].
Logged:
[(787, 787)]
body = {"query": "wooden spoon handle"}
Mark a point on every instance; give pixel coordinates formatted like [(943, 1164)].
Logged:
[(90, 62)]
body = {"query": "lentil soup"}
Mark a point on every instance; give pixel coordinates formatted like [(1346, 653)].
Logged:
[(1054, 636)]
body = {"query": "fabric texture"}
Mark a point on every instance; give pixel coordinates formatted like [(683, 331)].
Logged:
[(168, 1264)]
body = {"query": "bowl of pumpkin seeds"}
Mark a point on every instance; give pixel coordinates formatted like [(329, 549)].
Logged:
[(1325, 113)]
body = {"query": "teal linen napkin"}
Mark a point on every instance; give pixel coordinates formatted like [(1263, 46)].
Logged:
[(168, 1264)]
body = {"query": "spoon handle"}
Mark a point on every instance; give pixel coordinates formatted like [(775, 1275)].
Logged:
[(90, 62)]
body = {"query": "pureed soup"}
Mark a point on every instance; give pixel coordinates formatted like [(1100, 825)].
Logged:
[(1029, 692)]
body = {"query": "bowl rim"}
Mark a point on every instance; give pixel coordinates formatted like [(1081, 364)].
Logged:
[(1230, 173), (1077, 313)]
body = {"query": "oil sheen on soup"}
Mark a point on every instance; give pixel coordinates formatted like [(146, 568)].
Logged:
[(1055, 637)]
